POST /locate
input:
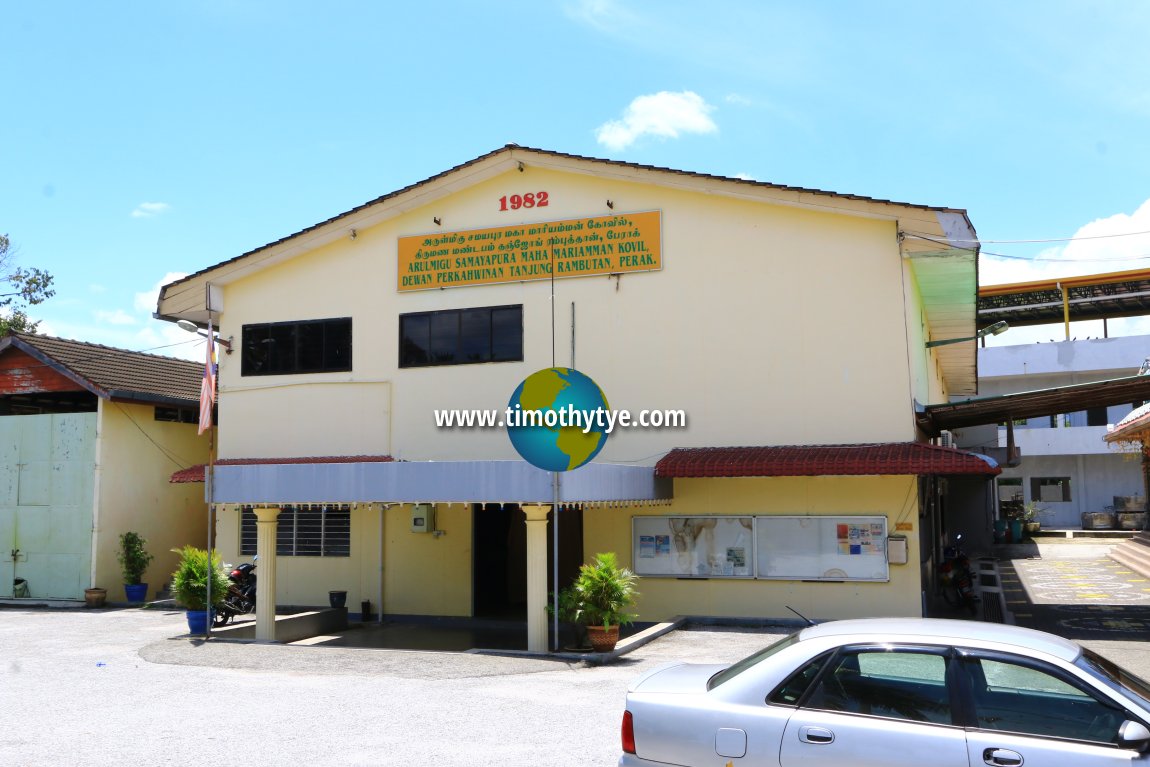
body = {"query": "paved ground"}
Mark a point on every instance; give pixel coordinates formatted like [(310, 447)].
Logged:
[(109, 687), (81, 687)]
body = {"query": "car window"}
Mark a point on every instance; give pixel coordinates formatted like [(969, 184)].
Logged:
[(791, 691), (891, 683), (735, 669), (1023, 697), (1115, 677)]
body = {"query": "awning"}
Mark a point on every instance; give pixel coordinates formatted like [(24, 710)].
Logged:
[(196, 473), (1132, 428), (1032, 404), (823, 460), (380, 479)]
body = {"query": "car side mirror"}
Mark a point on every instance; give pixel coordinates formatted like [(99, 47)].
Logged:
[(1133, 735)]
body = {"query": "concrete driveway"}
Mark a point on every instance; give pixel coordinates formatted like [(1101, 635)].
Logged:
[(106, 687)]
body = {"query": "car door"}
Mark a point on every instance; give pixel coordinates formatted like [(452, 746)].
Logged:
[(878, 706), (1026, 712)]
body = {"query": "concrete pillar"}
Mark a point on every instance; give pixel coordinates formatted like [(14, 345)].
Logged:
[(536, 576), (266, 577)]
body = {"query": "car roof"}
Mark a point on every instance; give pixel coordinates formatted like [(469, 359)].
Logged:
[(942, 630)]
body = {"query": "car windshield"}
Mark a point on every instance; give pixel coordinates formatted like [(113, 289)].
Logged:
[(732, 671), (1115, 677)]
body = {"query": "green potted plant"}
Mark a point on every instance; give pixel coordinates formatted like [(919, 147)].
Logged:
[(134, 560), (569, 618), (1030, 516), (190, 585), (604, 592)]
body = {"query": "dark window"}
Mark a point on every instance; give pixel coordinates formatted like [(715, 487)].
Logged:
[(461, 336), (1022, 697), (303, 531), (313, 346), (1050, 489), (1096, 416), (177, 414), (896, 684)]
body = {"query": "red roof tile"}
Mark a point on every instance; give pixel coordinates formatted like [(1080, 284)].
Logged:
[(196, 473), (822, 460)]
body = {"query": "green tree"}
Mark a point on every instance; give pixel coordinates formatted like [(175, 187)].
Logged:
[(28, 288)]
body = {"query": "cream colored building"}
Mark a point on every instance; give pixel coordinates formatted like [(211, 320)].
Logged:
[(89, 436), (768, 315)]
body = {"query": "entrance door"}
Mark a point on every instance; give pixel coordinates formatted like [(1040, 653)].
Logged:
[(499, 575)]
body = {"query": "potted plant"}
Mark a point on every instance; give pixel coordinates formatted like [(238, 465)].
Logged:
[(569, 618), (1031, 511), (604, 592), (190, 585), (134, 560)]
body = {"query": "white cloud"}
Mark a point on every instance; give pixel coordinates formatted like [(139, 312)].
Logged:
[(1093, 249), (150, 209), (603, 15), (738, 99), (745, 176), (145, 301), (94, 288), (662, 114), (115, 317)]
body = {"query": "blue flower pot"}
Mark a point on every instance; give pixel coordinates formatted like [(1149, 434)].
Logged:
[(136, 592), (197, 622)]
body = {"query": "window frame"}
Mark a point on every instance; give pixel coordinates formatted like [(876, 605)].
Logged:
[(1037, 483), (334, 535), (463, 336), (295, 327), (968, 656)]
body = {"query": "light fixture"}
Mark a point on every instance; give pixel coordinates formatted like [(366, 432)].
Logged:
[(990, 330), (353, 234), (611, 204), (438, 221), (192, 327), (521, 166)]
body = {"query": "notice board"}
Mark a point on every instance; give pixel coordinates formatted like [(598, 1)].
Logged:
[(693, 547), (840, 548)]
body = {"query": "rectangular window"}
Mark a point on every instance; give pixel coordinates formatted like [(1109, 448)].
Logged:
[(303, 531), (1096, 416), (461, 336), (1050, 489), (177, 414), (282, 348)]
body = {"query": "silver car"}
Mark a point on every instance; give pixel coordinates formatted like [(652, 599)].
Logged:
[(894, 691)]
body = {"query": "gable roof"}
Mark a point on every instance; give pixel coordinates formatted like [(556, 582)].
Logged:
[(939, 243), (112, 373)]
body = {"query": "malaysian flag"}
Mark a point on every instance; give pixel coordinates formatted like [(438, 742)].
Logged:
[(208, 385)]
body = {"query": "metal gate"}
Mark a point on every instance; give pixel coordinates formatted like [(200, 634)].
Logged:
[(47, 471)]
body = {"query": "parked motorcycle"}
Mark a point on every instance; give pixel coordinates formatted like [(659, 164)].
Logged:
[(956, 578), (241, 596)]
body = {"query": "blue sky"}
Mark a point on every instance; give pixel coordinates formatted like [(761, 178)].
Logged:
[(144, 141)]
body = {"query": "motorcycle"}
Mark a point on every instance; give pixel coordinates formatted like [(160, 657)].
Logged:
[(956, 578), (241, 596)]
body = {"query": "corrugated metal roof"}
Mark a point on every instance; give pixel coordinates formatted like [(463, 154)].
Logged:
[(115, 373), (891, 458), (196, 473)]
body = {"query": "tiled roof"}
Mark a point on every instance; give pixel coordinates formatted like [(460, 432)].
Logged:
[(822, 460), (196, 473), (1133, 427), (116, 373)]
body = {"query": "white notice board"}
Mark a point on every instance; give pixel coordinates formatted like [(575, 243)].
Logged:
[(842, 548), (693, 547)]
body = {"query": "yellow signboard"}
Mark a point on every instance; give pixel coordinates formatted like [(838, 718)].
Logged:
[(629, 242)]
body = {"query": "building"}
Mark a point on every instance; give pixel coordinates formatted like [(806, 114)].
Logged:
[(789, 325), (1066, 465), (89, 436)]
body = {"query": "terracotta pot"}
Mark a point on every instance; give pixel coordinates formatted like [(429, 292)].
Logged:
[(603, 640), (95, 597)]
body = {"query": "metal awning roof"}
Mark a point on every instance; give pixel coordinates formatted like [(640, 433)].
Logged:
[(1032, 404), (354, 480), (1091, 297)]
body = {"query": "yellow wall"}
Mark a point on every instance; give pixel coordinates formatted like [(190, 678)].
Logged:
[(136, 457), (424, 574), (741, 329), (662, 598)]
